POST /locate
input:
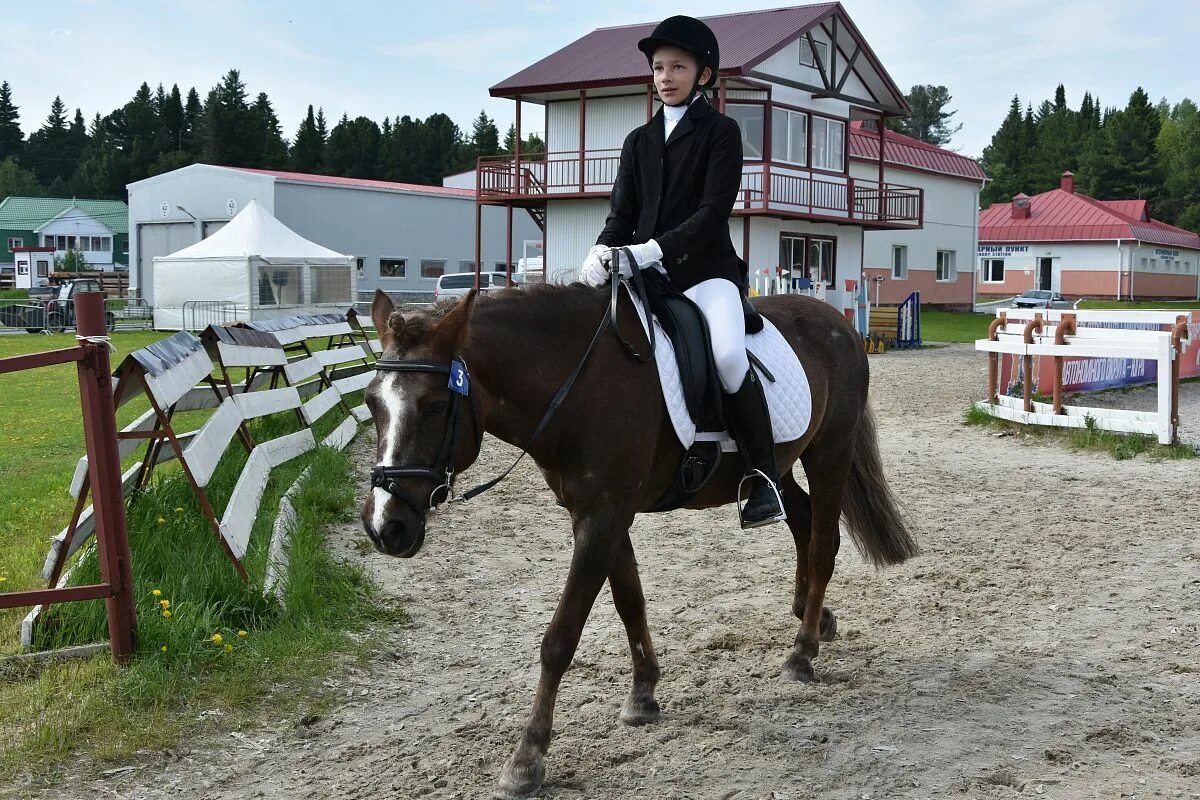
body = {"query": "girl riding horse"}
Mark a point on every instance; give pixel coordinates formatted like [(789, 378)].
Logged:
[(676, 184)]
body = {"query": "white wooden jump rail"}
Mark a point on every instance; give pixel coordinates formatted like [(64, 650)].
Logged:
[(177, 375), (1058, 334)]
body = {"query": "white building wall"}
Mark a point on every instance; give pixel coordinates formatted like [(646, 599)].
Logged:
[(76, 222), (571, 229)]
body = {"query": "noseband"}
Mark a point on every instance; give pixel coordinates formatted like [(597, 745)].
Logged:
[(441, 472)]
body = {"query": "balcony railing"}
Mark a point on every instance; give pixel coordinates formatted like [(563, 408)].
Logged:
[(767, 188)]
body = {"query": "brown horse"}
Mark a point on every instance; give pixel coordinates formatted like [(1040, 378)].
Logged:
[(608, 453)]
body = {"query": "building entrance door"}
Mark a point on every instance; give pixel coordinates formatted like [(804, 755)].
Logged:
[(1045, 271)]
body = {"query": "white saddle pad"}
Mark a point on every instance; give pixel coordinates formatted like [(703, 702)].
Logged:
[(788, 397)]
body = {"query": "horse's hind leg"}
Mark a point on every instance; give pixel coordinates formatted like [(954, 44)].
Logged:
[(827, 476), (799, 519), (640, 708), (595, 547)]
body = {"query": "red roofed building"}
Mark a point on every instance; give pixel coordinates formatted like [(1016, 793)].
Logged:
[(1067, 242), (816, 187)]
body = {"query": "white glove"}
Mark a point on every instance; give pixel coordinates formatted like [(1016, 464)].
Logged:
[(594, 271), (644, 254)]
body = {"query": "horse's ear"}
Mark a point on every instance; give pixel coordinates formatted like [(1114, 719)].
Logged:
[(382, 308), (451, 331)]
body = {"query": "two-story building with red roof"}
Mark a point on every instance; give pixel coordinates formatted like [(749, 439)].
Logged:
[(1067, 242), (820, 200)]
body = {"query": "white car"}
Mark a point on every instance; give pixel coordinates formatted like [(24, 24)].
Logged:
[(459, 283)]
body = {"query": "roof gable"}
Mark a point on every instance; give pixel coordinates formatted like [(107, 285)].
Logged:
[(74, 212), (904, 151), (609, 56), (31, 213)]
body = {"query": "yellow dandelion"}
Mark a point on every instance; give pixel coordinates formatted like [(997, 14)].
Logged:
[(243, 634), (166, 614), (3, 578), (163, 648), (162, 520), (217, 638), (178, 509), (228, 648), (165, 604), (157, 593)]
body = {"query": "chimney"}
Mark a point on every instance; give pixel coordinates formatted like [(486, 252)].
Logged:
[(1068, 182), (1021, 207)]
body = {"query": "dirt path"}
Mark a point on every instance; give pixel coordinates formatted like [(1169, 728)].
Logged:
[(1046, 643)]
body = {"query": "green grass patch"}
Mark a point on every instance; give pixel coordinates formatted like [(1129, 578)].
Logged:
[(1121, 446), (14, 294), (1148, 305), (92, 708), (953, 326)]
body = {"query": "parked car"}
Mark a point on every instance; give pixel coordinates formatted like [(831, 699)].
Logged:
[(459, 283), (1041, 298)]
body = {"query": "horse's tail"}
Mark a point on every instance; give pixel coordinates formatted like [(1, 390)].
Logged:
[(872, 516)]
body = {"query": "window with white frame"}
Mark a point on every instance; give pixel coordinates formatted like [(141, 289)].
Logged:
[(22, 267), (1145, 265), (15, 241), (43, 268), (789, 136), (431, 268), (829, 144), (993, 270), (899, 262), (391, 267), (806, 53), (750, 120), (1187, 266), (466, 266), (945, 265)]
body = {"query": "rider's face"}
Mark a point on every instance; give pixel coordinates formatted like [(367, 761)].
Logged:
[(675, 72)]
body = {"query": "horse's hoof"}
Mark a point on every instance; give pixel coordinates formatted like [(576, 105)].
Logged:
[(519, 780), (642, 711), (798, 669), (828, 625)]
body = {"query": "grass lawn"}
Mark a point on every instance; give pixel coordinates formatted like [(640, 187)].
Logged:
[(205, 639), (953, 326)]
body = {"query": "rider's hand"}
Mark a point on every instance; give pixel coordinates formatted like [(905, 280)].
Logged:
[(594, 271), (644, 254)]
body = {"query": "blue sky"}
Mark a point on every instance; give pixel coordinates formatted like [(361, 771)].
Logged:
[(389, 59)]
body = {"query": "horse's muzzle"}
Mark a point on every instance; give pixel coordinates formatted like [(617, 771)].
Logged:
[(395, 538)]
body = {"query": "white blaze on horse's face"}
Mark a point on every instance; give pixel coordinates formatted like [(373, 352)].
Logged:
[(390, 399)]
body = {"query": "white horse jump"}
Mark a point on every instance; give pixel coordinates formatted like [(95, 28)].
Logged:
[(1063, 334)]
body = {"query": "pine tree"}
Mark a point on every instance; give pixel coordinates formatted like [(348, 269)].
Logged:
[(230, 135), (193, 124), (308, 148), (1006, 159), (172, 117), (353, 150), (145, 136), (1058, 144), (1179, 160), (484, 141), (273, 153), (47, 153), (12, 139), (930, 121)]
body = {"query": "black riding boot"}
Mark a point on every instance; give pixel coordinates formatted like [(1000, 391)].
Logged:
[(750, 420)]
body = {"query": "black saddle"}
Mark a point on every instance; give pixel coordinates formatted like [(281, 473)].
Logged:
[(685, 326)]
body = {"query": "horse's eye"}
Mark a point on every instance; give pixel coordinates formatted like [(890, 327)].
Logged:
[(436, 407)]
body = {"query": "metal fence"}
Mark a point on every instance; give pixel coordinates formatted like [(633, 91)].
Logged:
[(100, 436), (199, 314), (56, 315)]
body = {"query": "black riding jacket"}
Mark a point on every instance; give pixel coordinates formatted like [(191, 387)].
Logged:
[(681, 193)]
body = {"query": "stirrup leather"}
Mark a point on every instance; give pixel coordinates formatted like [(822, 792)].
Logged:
[(780, 517)]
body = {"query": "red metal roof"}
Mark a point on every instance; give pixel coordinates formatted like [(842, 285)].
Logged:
[(607, 56), (359, 183), (1060, 216), (905, 151)]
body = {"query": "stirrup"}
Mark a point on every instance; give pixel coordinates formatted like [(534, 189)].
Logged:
[(780, 517)]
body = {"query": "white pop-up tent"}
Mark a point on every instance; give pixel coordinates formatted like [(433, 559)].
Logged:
[(254, 268)]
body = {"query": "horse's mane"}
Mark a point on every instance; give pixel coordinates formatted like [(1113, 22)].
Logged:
[(543, 301)]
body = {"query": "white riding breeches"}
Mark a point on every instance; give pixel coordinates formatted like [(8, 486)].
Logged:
[(721, 302)]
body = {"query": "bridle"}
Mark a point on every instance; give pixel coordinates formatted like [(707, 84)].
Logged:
[(442, 471)]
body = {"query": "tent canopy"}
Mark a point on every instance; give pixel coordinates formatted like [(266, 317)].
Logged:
[(255, 232)]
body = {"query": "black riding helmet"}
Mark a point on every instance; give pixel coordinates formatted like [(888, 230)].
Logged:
[(689, 34)]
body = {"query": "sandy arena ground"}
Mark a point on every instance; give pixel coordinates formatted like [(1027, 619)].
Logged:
[(1045, 643)]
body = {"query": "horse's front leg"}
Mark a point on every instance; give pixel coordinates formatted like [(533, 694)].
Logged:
[(640, 708), (596, 538)]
